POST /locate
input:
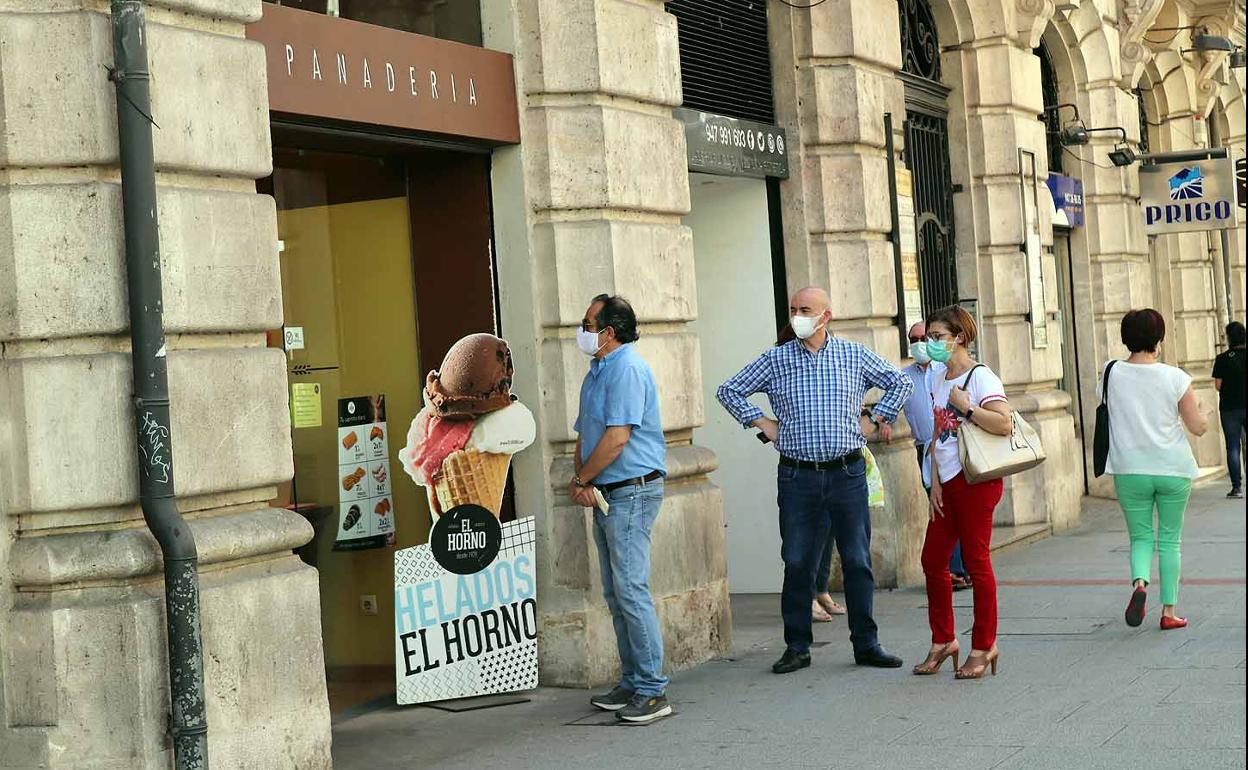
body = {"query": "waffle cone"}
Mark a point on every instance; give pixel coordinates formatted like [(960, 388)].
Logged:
[(469, 476)]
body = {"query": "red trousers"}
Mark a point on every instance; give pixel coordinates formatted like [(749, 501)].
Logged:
[(968, 518)]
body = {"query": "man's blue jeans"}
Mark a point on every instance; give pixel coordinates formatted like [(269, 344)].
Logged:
[(824, 573), (812, 505), (1233, 431), (623, 538)]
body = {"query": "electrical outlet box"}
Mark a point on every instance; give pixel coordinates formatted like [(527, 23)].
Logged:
[(368, 604)]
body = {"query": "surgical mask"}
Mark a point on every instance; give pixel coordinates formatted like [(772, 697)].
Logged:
[(804, 326), (940, 351), (918, 351), (587, 342)]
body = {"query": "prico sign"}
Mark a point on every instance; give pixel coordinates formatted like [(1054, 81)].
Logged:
[(1188, 196)]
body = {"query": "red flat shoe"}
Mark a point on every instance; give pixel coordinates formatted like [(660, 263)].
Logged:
[(1169, 624)]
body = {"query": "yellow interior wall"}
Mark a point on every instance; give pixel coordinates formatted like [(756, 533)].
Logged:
[(347, 280)]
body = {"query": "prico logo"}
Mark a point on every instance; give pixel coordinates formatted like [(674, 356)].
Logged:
[(1188, 183), (1187, 190)]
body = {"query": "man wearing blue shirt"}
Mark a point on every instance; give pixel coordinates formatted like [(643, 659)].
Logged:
[(620, 455), (816, 385)]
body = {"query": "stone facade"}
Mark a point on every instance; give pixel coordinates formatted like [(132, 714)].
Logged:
[(591, 201), (83, 680)]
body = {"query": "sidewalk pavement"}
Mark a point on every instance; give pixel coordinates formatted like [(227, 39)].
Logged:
[(1077, 688)]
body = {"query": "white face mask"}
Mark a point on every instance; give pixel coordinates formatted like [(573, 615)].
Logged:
[(587, 342), (918, 351), (804, 326)]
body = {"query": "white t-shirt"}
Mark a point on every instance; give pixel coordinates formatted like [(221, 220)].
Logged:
[(1146, 434), (985, 387)]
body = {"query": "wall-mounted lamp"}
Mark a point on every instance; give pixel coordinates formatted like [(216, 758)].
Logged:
[(1206, 43), (1122, 155)]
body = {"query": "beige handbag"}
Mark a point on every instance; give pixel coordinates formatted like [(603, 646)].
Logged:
[(986, 456)]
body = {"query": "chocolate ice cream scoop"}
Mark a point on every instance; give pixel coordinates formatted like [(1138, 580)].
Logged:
[(475, 378)]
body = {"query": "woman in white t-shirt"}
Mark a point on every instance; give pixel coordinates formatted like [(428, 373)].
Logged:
[(1150, 458), (962, 391)]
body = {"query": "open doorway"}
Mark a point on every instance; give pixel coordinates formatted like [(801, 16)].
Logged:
[(732, 239), (385, 263)]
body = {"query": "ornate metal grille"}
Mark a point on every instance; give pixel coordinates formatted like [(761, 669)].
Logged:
[(920, 47), (1143, 118), (1052, 120), (927, 154)]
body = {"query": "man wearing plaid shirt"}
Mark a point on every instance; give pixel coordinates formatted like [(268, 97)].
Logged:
[(816, 385)]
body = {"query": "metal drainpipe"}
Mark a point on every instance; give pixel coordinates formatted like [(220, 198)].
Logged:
[(189, 724)]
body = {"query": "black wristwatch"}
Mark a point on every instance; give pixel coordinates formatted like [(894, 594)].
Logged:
[(576, 480), (970, 410)]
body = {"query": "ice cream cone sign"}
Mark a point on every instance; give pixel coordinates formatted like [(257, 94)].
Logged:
[(460, 445)]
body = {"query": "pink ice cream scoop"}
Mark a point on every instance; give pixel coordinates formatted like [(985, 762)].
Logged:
[(429, 442)]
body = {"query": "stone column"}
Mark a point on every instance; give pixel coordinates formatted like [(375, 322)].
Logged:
[(591, 202), (82, 647), (1002, 98), (1121, 273), (835, 74)]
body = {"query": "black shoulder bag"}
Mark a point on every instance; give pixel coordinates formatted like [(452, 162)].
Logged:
[(1100, 440)]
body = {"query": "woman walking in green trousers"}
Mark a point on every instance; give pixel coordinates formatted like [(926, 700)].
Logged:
[(1150, 458)]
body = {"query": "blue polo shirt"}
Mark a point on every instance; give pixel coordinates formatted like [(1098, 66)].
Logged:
[(619, 390)]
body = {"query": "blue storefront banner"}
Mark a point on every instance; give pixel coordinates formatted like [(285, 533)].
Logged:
[(1067, 193)]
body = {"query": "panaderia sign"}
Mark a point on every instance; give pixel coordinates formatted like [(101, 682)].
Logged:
[(327, 67), (1188, 196)]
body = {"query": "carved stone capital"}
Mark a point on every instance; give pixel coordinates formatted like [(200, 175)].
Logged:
[(1137, 17), (1032, 16)]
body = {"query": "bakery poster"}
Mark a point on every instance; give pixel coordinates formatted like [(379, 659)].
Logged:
[(365, 505), (466, 602)]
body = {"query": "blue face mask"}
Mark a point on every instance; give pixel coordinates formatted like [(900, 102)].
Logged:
[(918, 351), (940, 350)]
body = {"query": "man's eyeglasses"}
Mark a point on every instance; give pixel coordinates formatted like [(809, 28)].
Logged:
[(915, 339)]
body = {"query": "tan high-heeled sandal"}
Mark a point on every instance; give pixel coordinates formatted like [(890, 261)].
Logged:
[(935, 658), (977, 663)]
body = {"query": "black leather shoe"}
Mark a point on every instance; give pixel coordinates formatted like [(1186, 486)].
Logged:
[(878, 658), (791, 661)]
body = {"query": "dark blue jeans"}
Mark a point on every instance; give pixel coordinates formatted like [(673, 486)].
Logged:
[(812, 505), (1233, 431), (824, 574)]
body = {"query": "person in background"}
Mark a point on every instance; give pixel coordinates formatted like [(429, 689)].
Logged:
[(621, 455), (919, 413), (1228, 378), (816, 385), (1150, 458), (962, 392)]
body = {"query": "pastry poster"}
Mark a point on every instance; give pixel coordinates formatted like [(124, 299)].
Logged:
[(465, 602), (365, 505)]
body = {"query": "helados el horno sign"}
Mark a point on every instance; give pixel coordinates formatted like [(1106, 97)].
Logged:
[(465, 603), (1188, 196)]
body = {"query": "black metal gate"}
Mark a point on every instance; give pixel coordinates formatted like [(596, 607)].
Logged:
[(927, 154)]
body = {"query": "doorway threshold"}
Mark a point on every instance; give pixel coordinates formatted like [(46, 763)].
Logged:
[(1004, 538)]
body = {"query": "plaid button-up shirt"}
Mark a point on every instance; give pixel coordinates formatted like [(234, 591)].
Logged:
[(817, 397)]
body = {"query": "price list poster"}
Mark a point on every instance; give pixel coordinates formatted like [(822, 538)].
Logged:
[(365, 504)]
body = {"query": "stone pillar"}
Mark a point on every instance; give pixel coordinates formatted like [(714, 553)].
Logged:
[(82, 634), (1121, 273), (1002, 97), (835, 79), (591, 202)]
